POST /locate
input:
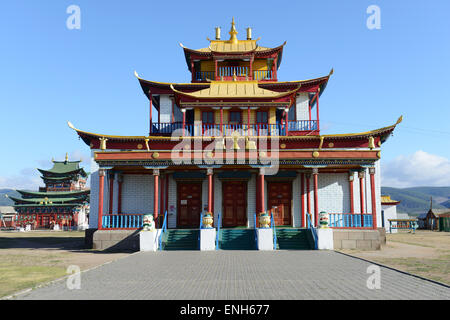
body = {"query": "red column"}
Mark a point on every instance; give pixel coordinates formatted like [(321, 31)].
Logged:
[(167, 193), (101, 176), (111, 191), (221, 120), (286, 111), (209, 172), (150, 97), (258, 202), (173, 110), (216, 74), (261, 190), (302, 199), (317, 109), (308, 199), (373, 197), (350, 185), (161, 197), (361, 194), (156, 189), (184, 119), (119, 193), (248, 118), (316, 200)]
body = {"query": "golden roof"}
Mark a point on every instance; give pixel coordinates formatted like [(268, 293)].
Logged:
[(234, 89), (388, 200), (232, 45)]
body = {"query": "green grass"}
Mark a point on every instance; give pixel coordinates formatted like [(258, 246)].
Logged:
[(20, 271)]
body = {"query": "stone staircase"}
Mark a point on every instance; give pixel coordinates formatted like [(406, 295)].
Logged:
[(182, 239), (294, 239), (237, 239)]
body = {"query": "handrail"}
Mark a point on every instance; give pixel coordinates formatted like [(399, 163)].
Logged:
[(313, 230), (201, 220), (274, 230), (219, 223), (200, 228), (163, 231), (256, 230)]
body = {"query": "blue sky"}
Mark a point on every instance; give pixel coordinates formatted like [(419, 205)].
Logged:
[(51, 74)]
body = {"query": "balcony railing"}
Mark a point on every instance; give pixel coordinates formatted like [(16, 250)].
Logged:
[(350, 220), (122, 221), (262, 75), (204, 75), (230, 71), (258, 129)]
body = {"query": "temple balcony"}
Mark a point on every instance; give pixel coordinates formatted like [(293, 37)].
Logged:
[(228, 73), (294, 127)]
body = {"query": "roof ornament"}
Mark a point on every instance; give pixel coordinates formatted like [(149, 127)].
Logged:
[(217, 33), (67, 157), (249, 33), (233, 32)]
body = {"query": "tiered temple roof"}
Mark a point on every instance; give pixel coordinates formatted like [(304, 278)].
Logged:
[(64, 174)]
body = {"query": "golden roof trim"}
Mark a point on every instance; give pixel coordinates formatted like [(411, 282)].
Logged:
[(254, 83)]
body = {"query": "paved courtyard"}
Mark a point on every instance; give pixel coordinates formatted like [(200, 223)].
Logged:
[(240, 275)]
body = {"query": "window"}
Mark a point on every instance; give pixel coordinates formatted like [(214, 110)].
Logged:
[(235, 117), (208, 117), (261, 117)]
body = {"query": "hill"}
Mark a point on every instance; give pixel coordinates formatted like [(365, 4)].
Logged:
[(4, 201), (416, 200)]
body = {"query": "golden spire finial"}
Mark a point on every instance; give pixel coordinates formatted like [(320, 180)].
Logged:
[(67, 156), (233, 32)]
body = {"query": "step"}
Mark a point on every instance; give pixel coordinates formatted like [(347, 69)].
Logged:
[(237, 239), (182, 239), (293, 239)]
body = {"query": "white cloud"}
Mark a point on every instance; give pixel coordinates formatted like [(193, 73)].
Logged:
[(27, 179), (418, 169)]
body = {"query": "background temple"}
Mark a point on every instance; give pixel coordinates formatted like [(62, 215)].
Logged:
[(64, 201)]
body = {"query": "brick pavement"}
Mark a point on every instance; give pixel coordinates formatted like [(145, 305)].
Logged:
[(240, 275)]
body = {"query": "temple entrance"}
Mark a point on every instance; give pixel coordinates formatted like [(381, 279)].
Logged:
[(234, 207), (189, 204), (280, 196)]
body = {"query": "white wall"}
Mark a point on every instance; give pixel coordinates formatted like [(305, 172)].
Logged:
[(302, 107), (165, 107), (390, 212), (137, 194)]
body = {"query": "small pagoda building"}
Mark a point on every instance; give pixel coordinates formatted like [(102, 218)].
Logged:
[(62, 204), (235, 142), (389, 212)]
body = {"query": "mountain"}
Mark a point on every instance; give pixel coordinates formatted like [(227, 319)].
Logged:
[(4, 201), (416, 200)]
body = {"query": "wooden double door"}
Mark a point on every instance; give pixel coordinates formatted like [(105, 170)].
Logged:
[(189, 204), (280, 196), (234, 203)]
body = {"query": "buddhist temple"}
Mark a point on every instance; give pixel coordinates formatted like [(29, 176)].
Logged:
[(62, 204), (235, 142)]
